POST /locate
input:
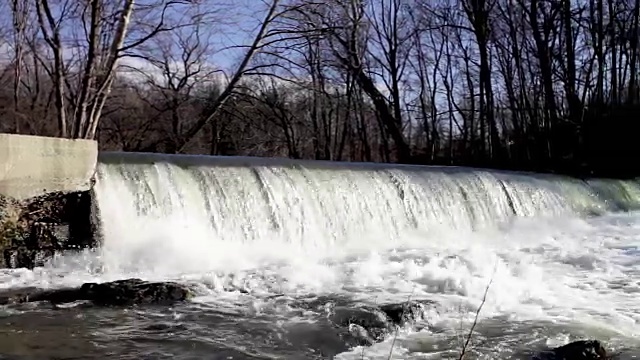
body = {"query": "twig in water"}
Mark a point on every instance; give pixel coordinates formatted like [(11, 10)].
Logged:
[(375, 301), (395, 336), (463, 351)]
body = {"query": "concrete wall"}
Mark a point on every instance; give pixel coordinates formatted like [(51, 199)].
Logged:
[(34, 165)]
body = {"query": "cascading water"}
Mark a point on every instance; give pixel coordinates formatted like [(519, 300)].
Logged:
[(312, 204), (255, 236)]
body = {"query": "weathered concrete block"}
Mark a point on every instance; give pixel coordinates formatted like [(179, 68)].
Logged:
[(45, 202), (34, 165)]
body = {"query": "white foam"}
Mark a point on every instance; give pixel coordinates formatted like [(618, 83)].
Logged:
[(537, 278), (379, 234)]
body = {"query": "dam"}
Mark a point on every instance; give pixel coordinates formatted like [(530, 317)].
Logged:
[(256, 236)]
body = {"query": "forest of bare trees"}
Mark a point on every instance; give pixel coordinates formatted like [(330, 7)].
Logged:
[(542, 85)]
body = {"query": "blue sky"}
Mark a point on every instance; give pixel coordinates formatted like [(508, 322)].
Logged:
[(227, 23)]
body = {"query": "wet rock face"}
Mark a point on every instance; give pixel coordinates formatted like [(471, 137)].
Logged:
[(407, 312), (367, 325), (116, 293), (33, 230), (134, 292), (9, 229), (341, 324), (361, 326), (577, 350)]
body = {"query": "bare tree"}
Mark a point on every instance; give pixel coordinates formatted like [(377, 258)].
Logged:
[(392, 40), (427, 70), (174, 67), (347, 27), (478, 12), (264, 37), (528, 84), (91, 57), (20, 17)]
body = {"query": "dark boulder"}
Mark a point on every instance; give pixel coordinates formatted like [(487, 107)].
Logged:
[(367, 325), (577, 350), (406, 312), (32, 294), (115, 293), (360, 325), (134, 292)]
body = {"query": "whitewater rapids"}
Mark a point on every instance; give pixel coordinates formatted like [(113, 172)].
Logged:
[(561, 255)]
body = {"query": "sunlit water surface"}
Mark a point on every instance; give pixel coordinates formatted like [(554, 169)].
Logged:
[(268, 241)]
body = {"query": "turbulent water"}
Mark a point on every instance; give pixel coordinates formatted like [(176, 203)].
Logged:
[(260, 238)]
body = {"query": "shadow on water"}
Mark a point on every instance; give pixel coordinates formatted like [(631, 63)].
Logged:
[(191, 331), (184, 332)]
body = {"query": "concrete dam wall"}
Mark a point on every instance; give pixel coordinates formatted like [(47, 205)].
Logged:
[(45, 202), (49, 202), (34, 165)]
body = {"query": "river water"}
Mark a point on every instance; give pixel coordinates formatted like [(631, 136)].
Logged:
[(270, 245)]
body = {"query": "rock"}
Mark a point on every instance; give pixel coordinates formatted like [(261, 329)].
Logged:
[(9, 230), (60, 220), (577, 350), (361, 325), (367, 325), (115, 293), (407, 312), (23, 257), (32, 230), (32, 294), (135, 292)]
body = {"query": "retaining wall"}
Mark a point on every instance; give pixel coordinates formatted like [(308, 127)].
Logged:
[(34, 165)]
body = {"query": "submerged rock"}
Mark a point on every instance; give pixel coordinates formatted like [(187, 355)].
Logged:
[(406, 312), (577, 350), (134, 291), (361, 326), (114, 293), (367, 325)]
